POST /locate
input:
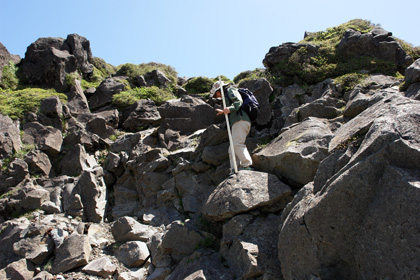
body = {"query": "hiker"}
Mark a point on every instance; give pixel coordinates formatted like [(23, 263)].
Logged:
[(239, 122)]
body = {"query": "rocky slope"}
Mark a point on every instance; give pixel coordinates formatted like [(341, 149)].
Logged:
[(145, 193)]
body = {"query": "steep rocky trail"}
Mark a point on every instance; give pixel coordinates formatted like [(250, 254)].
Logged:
[(91, 191)]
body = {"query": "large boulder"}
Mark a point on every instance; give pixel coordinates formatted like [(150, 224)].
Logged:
[(128, 229), (9, 137), (74, 252), (140, 115), (38, 163), (186, 115), (91, 189), (324, 107), (103, 94), (48, 61), (248, 245), (262, 90), (133, 253), (296, 153), (244, 192), (76, 160), (21, 269), (153, 78), (12, 232), (201, 265), (412, 73), (46, 139), (77, 101), (361, 222), (101, 267), (377, 43), (182, 240)]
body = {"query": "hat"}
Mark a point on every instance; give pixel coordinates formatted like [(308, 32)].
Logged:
[(216, 86)]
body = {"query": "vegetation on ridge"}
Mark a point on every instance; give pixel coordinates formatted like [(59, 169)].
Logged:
[(317, 59), (16, 103)]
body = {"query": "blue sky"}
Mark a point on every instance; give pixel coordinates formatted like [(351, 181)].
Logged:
[(196, 37)]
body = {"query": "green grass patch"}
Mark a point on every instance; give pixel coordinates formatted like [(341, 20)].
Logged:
[(16, 104), (10, 78), (126, 98), (135, 70), (202, 85), (332, 36), (349, 81)]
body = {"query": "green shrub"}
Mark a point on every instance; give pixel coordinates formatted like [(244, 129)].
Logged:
[(250, 75), (349, 81), (199, 85), (104, 68), (71, 77), (412, 51), (126, 98), (332, 36), (93, 81), (133, 71), (10, 78), (16, 103)]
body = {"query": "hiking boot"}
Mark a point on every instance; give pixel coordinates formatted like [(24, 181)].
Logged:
[(246, 168)]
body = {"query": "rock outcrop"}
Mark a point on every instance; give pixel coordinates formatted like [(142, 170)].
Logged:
[(48, 60)]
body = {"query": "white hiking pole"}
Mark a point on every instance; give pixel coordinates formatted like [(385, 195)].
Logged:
[(231, 151)]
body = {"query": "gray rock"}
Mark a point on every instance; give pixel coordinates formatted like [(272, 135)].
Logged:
[(48, 60), (193, 190), (77, 101), (92, 191), (33, 198), (377, 43), (76, 160), (186, 115), (201, 265), (12, 232), (37, 249), (80, 48), (91, 142), (248, 245), (47, 139), (98, 126), (355, 224), (100, 267), (246, 191), (128, 229), (324, 107), (413, 91), (153, 78), (412, 73), (17, 172), (21, 269), (296, 153), (133, 253), (43, 275), (140, 115), (9, 137), (38, 163), (182, 240), (111, 117), (104, 93), (51, 107), (74, 252)]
